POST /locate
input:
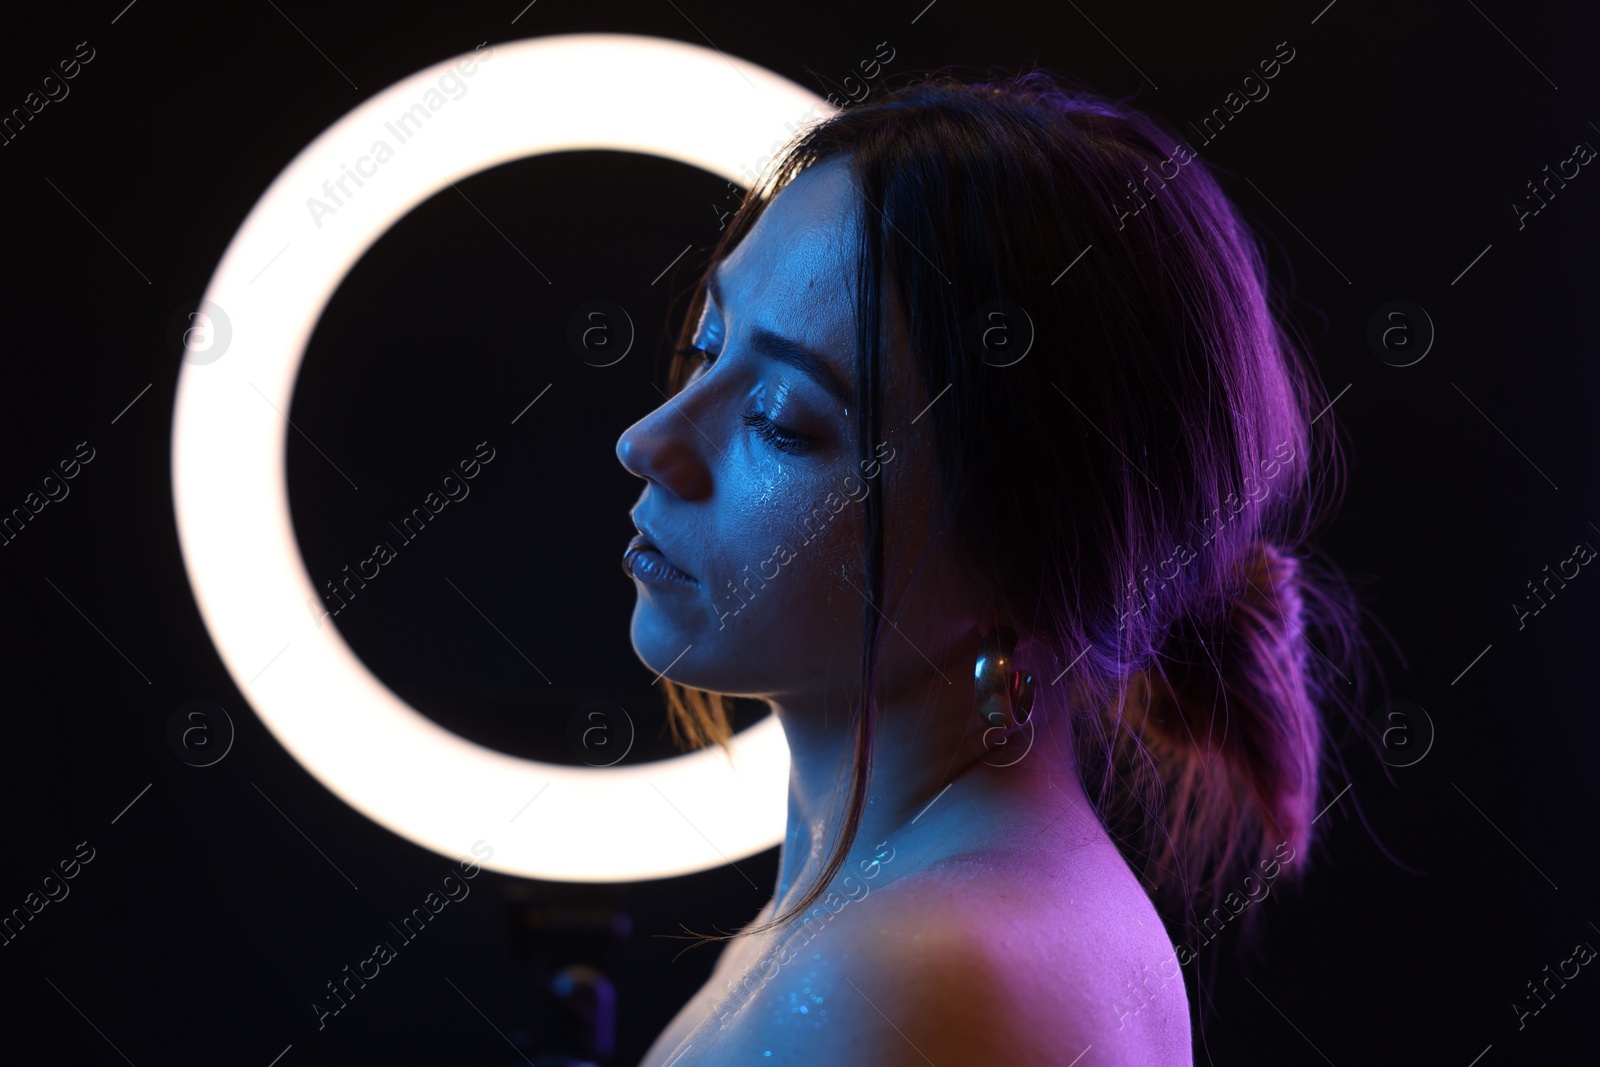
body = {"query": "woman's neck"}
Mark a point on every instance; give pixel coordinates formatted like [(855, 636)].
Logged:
[(939, 787)]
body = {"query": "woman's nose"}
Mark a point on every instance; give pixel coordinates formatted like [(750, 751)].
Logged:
[(665, 447)]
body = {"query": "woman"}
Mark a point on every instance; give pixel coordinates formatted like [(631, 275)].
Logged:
[(984, 468)]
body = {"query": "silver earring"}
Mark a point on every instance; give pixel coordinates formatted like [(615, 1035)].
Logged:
[(997, 685)]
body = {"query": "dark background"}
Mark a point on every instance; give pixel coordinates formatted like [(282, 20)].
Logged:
[(1396, 141)]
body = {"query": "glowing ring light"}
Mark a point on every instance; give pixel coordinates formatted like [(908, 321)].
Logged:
[(230, 485)]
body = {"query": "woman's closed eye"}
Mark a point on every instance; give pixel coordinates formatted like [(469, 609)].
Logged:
[(778, 436), (786, 441)]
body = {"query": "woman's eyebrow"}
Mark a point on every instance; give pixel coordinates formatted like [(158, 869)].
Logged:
[(782, 349)]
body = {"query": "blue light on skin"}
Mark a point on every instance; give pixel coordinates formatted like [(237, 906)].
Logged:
[(709, 497), (720, 493), (801, 1007)]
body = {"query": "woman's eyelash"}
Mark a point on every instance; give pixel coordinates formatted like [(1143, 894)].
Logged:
[(776, 436), (706, 355)]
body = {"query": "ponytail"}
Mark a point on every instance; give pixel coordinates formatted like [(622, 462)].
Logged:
[(1225, 728)]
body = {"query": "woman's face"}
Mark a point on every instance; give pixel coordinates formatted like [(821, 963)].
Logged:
[(755, 487)]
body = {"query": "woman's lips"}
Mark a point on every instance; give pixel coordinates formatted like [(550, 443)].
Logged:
[(642, 560)]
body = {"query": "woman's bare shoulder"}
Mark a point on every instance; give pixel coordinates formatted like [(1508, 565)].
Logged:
[(1003, 957)]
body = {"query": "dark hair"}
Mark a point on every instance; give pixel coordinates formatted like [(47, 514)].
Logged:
[(1135, 490)]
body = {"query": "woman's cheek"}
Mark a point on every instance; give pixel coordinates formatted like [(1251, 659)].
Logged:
[(817, 515)]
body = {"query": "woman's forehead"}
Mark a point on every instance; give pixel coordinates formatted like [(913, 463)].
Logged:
[(794, 272), (804, 238)]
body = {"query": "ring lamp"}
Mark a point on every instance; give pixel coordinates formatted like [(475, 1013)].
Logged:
[(689, 813)]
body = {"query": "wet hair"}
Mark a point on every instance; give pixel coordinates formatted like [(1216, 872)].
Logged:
[(1137, 492)]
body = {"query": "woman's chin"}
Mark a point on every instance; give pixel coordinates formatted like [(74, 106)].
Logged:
[(690, 659), (660, 637)]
